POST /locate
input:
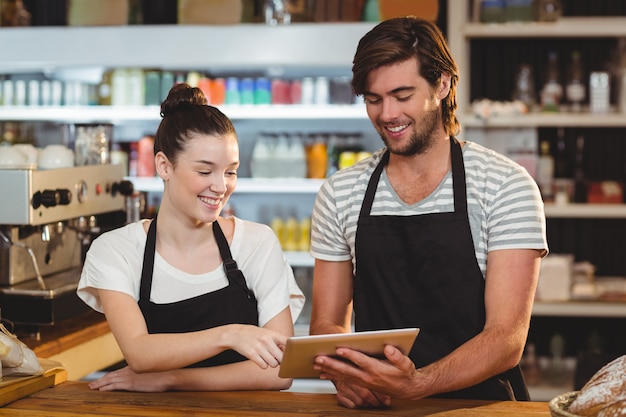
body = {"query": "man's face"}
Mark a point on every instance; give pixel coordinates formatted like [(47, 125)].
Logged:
[(403, 107)]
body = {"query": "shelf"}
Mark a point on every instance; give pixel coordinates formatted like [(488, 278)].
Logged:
[(311, 186), (300, 259), (566, 27), (547, 120), (579, 309), (244, 185), (202, 47), (120, 114), (583, 210)]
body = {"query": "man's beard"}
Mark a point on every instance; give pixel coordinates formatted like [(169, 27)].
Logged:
[(422, 137)]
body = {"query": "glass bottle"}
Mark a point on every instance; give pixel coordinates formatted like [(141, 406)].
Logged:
[(557, 366), (530, 365), (277, 12), (545, 172), (525, 87), (552, 91), (575, 89), (580, 187)]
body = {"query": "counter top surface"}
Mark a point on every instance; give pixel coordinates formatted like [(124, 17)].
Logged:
[(75, 398)]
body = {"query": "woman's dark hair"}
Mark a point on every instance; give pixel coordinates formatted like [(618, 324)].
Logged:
[(186, 113), (398, 39)]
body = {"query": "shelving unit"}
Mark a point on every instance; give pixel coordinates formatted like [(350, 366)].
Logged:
[(242, 47), (462, 31), (118, 114), (546, 120), (579, 309)]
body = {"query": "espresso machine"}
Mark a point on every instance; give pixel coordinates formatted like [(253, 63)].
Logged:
[(47, 220)]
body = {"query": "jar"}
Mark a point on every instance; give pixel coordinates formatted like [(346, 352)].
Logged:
[(548, 10), (519, 10), (492, 11)]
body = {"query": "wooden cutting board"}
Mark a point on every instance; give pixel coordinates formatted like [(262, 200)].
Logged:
[(15, 387)]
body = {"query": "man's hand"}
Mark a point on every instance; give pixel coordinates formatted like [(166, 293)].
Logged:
[(369, 382)]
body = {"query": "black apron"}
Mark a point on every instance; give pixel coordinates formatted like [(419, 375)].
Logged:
[(234, 303), (421, 271)]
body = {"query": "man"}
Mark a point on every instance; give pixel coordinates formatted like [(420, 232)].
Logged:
[(429, 232)]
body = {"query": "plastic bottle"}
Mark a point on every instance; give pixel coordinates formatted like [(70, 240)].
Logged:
[(371, 11), (552, 91), (120, 85), (145, 157), (262, 158), (575, 89), (246, 89), (317, 160), (105, 88), (297, 158), (232, 91), (262, 91), (133, 158), (282, 158), (545, 172), (218, 91), (304, 242), (278, 226), (167, 82), (291, 234), (152, 89), (136, 86)]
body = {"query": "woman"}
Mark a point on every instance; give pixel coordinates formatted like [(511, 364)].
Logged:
[(184, 313)]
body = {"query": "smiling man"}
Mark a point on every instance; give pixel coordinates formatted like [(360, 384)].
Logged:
[(430, 232)]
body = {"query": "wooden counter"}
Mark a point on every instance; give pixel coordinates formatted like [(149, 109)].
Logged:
[(75, 398), (83, 344)]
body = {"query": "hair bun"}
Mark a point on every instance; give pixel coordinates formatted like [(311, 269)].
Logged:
[(181, 96)]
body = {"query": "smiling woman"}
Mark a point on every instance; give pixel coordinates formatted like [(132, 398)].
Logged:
[(207, 302)]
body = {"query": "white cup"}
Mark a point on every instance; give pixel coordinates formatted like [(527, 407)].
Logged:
[(56, 156), (11, 157), (30, 152)]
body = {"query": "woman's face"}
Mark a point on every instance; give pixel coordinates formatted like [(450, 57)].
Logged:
[(204, 177)]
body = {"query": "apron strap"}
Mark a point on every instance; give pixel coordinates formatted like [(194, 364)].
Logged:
[(148, 262), (231, 269), (458, 180)]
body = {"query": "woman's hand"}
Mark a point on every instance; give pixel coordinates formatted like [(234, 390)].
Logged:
[(262, 346), (126, 380)]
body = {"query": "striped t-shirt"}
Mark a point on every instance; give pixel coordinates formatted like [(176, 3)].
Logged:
[(504, 205)]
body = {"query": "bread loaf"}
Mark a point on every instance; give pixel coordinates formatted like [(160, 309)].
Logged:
[(604, 395)]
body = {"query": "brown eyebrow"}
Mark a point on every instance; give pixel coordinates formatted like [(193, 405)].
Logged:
[(212, 164), (394, 91)]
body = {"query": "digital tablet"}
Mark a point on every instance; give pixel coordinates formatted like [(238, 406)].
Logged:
[(300, 351)]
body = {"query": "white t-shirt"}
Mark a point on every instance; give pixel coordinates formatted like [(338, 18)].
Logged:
[(114, 262), (504, 205)]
